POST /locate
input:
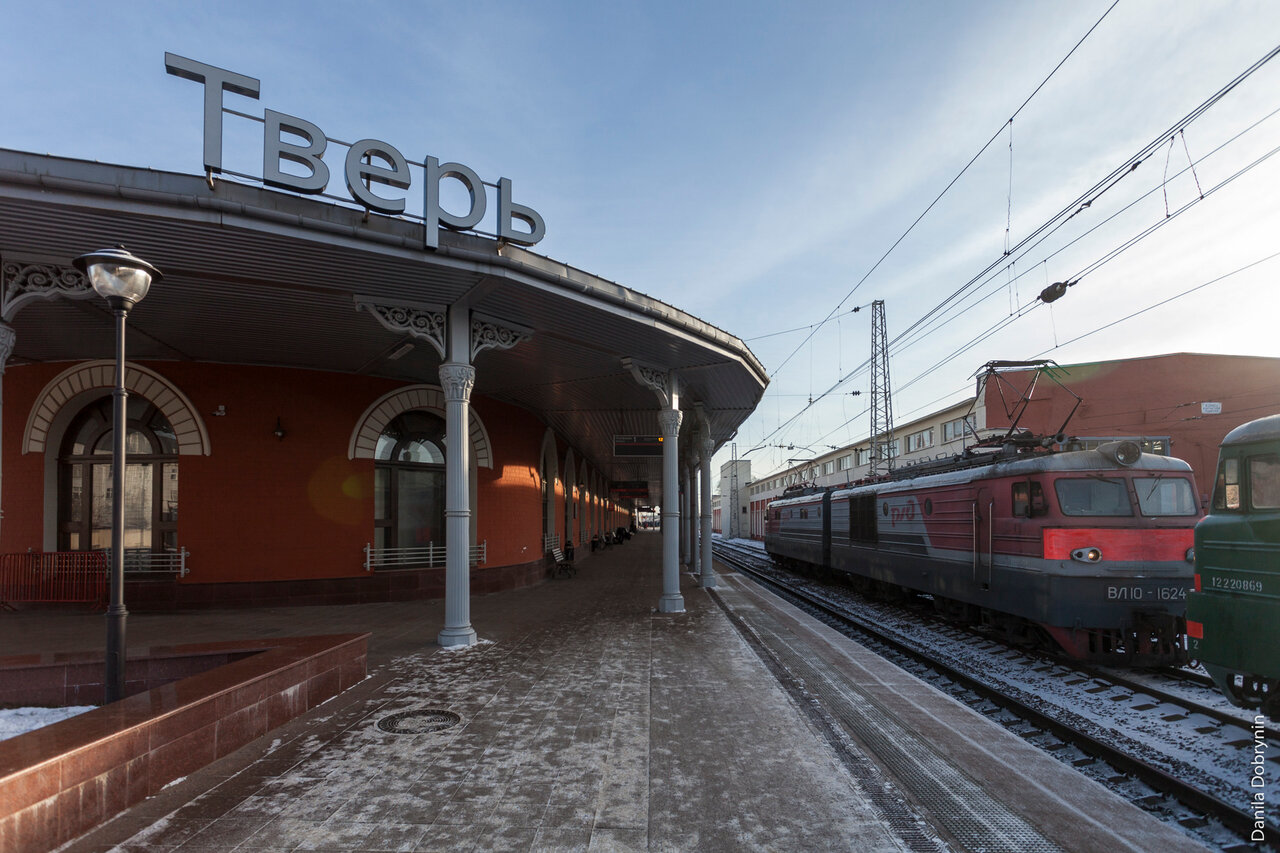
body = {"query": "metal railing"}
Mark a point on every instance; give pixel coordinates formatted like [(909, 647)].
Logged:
[(53, 576), (143, 562), (417, 557)]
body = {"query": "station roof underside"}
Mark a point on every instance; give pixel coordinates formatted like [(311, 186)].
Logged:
[(258, 277)]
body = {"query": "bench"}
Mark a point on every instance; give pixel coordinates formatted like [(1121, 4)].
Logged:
[(561, 566)]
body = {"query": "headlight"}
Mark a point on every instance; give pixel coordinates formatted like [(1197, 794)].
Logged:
[(1087, 555), (1191, 555)]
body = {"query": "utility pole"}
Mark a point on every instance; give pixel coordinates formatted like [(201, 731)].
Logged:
[(732, 509), (881, 397)]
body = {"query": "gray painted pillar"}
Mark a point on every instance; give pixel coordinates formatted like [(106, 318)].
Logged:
[(457, 377), (672, 601), (695, 548), (705, 449), (8, 337), (685, 515)]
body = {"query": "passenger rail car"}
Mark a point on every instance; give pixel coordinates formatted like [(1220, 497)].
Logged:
[(1233, 616), (1091, 548)]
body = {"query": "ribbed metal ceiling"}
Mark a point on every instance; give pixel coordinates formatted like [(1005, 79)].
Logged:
[(266, 278)]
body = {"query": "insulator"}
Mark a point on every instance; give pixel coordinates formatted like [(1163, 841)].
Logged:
[(1055, 291)]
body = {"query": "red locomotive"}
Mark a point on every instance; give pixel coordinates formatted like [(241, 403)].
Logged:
[(1090, 550)]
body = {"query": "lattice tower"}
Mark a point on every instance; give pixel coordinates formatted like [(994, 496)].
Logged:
[(881, 396)]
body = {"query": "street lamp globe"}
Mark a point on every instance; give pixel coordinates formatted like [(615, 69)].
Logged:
[(118, 275)]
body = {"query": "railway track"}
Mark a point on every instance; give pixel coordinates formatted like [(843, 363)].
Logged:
[(1123, 726)]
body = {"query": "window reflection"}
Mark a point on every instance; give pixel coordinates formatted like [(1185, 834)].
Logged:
[(409, 482), (150, 479)]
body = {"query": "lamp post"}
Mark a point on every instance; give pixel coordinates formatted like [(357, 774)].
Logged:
[(122, 279)]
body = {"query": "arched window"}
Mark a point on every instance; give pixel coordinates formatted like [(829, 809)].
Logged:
[(150, 480), (409, 478)]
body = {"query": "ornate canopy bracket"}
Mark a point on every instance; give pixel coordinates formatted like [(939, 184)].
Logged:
[(426, 322), (488, 334), (25, 281), (664, 384), (704, 442)]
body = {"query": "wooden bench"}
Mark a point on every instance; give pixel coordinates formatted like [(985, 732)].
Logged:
[(561, 566)]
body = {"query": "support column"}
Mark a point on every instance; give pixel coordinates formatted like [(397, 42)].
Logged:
[(8, 337), (706, 446), (695, 547), (685, 514), (457, 378), (671, 601)]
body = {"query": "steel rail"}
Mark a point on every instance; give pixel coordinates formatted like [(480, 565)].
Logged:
[(1231, 817), (1119, 679)]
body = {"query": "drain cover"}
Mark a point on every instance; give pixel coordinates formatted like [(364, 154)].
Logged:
[(418, 722)]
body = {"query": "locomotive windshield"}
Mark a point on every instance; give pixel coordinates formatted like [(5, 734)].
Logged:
[(1093, 496), (1264, 481), (1165, 496)]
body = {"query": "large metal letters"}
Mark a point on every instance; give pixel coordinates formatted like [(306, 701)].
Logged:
[(368, 162)]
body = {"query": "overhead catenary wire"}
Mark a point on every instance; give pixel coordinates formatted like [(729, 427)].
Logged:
[(952, 182), (1081, 203), (928, 322), (1034, 304), (904, 340), (1086, 200)]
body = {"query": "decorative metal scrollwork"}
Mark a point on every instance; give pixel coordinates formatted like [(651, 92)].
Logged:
[(663, 383), (486, 334), (24, 282), (425, 323)]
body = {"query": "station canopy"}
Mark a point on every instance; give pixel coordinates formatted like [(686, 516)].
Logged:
[(260, 277)]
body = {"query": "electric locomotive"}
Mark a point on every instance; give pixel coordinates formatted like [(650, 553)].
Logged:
[(1088, 550), (1233, 616)]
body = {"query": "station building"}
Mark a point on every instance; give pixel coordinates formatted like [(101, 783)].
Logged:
[(1176, 404), (325, 408)]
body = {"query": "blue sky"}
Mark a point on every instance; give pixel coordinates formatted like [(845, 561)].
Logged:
[(751, 162)]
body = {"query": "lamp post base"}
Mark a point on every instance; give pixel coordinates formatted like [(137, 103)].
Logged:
[(113, 688)]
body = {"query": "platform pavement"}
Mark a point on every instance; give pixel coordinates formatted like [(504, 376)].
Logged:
[(588, 722)]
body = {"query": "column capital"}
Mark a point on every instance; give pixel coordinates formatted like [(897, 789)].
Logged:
[(670, 420), (457, 380), (8, 338)]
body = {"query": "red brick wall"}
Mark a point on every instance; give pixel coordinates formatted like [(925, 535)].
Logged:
[(22, 476), (262, 509), (1155, 396), (509, 498)]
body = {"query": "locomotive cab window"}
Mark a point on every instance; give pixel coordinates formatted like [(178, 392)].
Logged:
[(1093, 496), (1264, 481), (1226, 491), (1028, 499), (1165, 496)]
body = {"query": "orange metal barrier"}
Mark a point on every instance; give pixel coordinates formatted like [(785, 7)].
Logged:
[(53, 577)]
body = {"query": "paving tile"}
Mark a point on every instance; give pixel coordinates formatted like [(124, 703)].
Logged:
[(589, 715), (395, 837)]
